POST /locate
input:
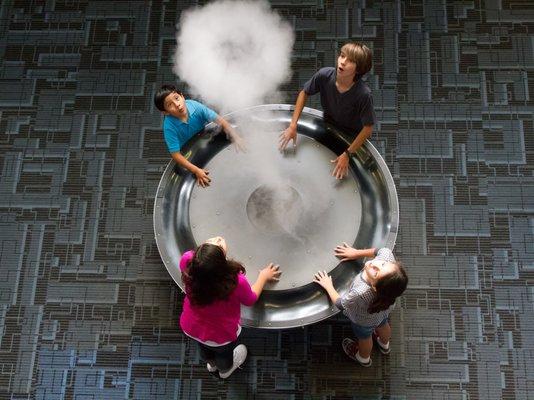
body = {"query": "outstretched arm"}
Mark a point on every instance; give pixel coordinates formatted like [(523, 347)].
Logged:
[(325, 280), (231, 133), (291, 132), (346, 253), (270, 273), (362, 136), (342, 161), (201, 174)]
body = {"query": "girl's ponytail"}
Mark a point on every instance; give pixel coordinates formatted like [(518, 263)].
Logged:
[(388, 288)]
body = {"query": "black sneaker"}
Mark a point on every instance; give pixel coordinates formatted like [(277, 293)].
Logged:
[(211, 368), (350, 347), (383, 350)]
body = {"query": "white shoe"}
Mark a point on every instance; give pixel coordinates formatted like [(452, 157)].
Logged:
[(350, 347), (384, 348), (240, 355), (211, 368)]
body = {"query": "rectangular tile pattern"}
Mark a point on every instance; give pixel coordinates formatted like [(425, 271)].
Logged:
[(87, 310)]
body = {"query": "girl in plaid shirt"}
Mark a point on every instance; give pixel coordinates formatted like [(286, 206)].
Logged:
[(369, 300)]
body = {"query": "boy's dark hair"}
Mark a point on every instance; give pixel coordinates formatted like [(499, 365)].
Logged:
[(162, 93), (388, 288), (210, 276)]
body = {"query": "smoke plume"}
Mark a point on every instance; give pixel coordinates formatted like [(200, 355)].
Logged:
[(233, 54)]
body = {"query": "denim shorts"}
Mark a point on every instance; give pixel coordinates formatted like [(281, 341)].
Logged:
[(364, 332)]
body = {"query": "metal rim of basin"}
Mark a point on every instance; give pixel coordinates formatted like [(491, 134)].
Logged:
[(306, 304)]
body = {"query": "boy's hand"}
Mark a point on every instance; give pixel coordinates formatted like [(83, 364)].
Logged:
[(345, 252), (239, 144), (289, 134), (323, 279), (202, 177), (271, 272), (342, 166), (231, 134)]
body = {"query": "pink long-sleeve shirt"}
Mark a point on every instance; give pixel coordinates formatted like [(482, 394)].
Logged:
[(216, 323)]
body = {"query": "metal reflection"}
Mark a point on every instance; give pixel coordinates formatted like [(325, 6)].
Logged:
[(284, 208)]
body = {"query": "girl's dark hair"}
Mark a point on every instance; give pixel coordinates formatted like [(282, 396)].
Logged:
[(162, 93), (388, 288), (210, 276)]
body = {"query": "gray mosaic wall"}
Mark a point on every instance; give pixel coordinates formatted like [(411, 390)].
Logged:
[(87, 310)]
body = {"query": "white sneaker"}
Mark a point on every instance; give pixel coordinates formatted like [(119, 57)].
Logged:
[(240, 355), (350, 347), (211, 368), (384, 348)]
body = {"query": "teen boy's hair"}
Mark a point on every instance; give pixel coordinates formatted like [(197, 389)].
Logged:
[(162, 93), (359, 54)]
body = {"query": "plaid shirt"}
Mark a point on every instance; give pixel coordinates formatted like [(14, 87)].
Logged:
[(360, 295)]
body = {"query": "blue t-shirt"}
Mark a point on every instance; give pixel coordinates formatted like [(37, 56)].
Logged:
[(177, 133)]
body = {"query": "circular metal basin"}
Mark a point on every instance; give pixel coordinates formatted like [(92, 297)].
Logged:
[(284, 208)]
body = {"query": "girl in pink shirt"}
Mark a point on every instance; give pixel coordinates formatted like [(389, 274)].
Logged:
[(215, 288)]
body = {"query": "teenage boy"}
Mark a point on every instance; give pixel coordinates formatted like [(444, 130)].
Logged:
[(183, 120), (346, 100)]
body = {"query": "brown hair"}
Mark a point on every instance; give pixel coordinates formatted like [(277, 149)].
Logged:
[(210, 276), (359, 54), (388, 288), (161, 95)]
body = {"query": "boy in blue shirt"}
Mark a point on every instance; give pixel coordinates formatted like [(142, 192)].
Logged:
[(183, 120)]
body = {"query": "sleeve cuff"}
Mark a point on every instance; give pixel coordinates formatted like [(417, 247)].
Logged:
[(339, 305)]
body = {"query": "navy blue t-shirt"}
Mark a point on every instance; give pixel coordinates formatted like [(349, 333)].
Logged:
[(348, 111)]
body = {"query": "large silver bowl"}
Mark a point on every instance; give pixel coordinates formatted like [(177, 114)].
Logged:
[(277, 207)]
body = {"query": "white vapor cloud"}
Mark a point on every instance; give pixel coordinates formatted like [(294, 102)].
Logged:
[(233, 54)]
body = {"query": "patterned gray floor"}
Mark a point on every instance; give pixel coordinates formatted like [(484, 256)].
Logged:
[(87, 310)]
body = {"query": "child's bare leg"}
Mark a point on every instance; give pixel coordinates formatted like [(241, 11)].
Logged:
[(384, 333), (364, 347)]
